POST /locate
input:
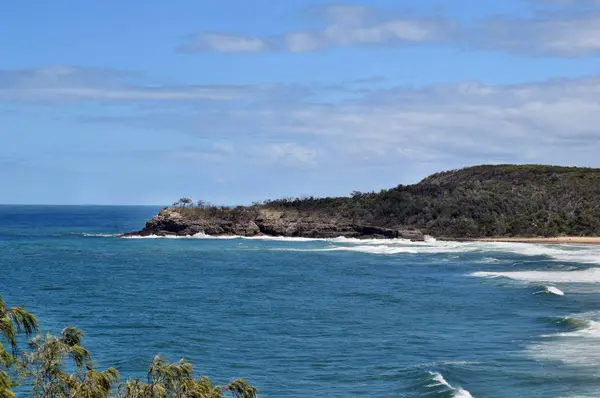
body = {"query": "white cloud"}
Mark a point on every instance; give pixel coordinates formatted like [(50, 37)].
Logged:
[(300, 42), (345, 25), (218, 152), (454, 124), (559, 28), (348, 14), (570, 3), (71, 84), (408, 31), (287, 153), (226, 43), (562, 35)]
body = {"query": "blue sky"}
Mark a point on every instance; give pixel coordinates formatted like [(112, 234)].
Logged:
[(142, 102)]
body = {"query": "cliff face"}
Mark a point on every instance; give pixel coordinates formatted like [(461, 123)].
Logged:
[(481, 201)]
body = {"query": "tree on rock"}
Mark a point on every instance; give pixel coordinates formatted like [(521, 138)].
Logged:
[(184, 202)]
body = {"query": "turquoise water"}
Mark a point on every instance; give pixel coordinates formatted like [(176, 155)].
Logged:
[(333, 318)]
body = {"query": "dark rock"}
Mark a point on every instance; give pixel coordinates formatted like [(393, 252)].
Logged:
[(180, 223)]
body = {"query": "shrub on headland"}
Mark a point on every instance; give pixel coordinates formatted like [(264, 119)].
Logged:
[(60, 367)]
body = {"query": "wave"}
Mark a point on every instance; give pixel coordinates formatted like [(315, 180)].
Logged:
[(196, 236), (551, 290), (568, 253), (444, 363), (576, 323), (488, 260), (394, 246), (440, 381), (582, 328), (340, 239), (90, 235), (585, 276), (360, 249), (562, 253), (578, 347)]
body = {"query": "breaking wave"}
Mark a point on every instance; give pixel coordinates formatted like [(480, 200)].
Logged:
[(585, 276), (439, 381), (551, 290), (576, 323), (196, 236), (444, 363), (580, 346), (360, 249), (90, 235), (560, 253)]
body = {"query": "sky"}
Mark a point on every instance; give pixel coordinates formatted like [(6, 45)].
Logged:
[(143, 102)]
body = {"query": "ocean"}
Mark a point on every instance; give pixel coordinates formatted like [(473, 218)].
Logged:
[(307, 318)]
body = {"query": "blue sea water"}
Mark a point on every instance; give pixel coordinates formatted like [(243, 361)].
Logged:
[(306, 318)]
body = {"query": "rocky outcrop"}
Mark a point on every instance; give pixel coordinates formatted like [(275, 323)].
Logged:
[(176, 222)]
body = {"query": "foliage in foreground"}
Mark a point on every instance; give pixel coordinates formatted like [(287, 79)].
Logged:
[(60, 367)]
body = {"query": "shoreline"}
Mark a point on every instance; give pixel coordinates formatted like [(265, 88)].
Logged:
[(581, 240), (584, 240)]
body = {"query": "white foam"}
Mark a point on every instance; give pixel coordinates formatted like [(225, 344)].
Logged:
[(592, 330), (488, 260), (360, 249), (374, 249), (583, 254), (154, 237), (551, 290), (584, 276), (395, 241), (579, 347), (281, 238), (340, 239), (569, 253), (440, 363), (564, 253), (98, 235), (460, 393), (554, 290), (199, 235), (440, 381)]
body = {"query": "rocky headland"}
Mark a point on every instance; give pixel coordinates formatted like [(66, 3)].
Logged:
[(476, 202)]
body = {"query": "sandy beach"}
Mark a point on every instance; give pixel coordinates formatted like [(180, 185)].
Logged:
[(592, 240)]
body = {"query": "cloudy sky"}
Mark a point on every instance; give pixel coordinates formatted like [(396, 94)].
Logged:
[(144, 101)]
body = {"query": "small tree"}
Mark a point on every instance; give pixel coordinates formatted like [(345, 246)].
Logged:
[(187, 202), (176, 380), (184, 202), (12, 320), (47, 362), (201, 204)]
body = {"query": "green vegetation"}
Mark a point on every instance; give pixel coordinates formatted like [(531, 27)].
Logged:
[(494, 200), (60, 367)]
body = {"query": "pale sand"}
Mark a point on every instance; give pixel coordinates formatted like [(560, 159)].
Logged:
[(593, 240)]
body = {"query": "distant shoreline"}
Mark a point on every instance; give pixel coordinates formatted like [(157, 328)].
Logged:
[(588, 240)]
